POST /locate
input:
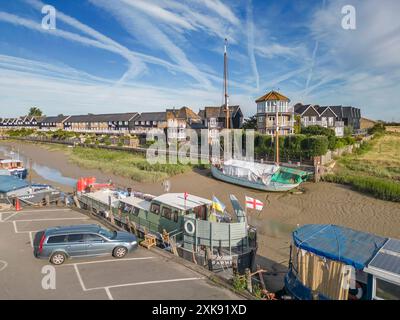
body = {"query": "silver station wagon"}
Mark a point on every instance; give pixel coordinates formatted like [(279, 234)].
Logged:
[(61, 243)]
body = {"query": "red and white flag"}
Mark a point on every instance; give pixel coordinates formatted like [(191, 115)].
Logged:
[(186, 195), (254, 204)]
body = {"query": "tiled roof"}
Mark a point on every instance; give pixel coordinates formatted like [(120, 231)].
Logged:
[(115, 117), (152, 116), (300, 108), (272, 96), (183, 113), (218, 112), (57, 119)]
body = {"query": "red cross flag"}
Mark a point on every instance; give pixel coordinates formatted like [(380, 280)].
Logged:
[(254, 204)]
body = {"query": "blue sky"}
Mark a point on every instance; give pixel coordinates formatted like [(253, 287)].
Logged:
[(138, 55)]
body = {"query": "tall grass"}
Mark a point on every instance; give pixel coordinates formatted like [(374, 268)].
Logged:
[(380, 188), (130, 165)]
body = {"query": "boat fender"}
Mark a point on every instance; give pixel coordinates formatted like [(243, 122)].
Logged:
[(359, 292), (189, 227)]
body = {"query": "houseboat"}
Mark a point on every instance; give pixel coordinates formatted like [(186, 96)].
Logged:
[(258, 176), (12, 187), (14, 167), (197, 231), (330, 262)]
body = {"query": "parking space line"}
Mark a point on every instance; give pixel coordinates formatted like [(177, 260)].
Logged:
[(109, 293), (146, 282), (51, 219), (104, 261), (38, 211), (10, 216), (31, 238), (79, 278)]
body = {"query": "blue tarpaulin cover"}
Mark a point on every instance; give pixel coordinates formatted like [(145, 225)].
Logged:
[(338, 243), (10, 183)]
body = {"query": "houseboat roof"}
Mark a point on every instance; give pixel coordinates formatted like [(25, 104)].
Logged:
[(137, 202), (10, 161), (103, 195), (177, 200), (338, 243), (11, 183)]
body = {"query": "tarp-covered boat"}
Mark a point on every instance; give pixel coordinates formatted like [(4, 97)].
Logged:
[(259, 176), (12, 187), (331, 262)]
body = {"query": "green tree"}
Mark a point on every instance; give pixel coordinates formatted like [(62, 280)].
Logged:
[(297, 124), (250, 123), (35, 112)]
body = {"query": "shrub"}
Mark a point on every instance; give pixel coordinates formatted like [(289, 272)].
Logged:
[(377, 128), (380, 188), (239, 282), (315, 146)]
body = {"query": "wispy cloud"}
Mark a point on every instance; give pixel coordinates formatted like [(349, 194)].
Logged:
[(250, 42)]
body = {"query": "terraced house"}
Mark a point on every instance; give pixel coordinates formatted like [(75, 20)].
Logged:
[(53, 123), (102, 123), (334, 117)]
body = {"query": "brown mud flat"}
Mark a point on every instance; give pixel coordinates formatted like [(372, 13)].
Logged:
[(321, 203)]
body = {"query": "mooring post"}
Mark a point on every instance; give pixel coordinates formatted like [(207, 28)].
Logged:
[(248, 280)]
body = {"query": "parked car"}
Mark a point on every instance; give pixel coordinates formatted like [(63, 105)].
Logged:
[(67, 242)]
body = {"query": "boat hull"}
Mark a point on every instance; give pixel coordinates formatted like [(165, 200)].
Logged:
[(272, 186)]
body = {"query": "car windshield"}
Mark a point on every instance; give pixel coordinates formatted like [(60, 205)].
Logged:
[(108, 234)]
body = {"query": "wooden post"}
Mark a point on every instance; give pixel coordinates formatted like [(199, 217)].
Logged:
[(248, 280), (234, 265)]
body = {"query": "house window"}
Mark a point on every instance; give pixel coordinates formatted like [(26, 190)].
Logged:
[(213, 122), (147, 123), (313, 119), (330, 121), (136, 122), (155, 208)]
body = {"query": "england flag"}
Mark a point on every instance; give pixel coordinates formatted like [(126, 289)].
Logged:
[(252, 203)]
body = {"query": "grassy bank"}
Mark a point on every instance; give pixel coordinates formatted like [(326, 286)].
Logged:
[(126, 164), (373, 169)]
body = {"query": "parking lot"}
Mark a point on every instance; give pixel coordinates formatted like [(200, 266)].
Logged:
[(143, 274)]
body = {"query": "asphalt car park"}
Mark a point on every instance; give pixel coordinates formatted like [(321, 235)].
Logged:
[(142, 274)]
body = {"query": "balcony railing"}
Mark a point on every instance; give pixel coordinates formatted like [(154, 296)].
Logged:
[(324, 124)]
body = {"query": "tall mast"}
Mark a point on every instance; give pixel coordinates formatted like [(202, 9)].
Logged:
[(226, 84), (277, 135)]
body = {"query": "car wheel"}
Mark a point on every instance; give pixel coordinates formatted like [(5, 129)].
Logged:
[(120, 252), (58, 258)]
